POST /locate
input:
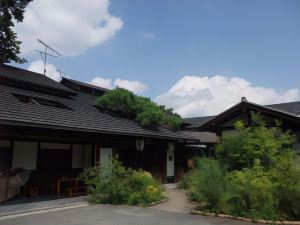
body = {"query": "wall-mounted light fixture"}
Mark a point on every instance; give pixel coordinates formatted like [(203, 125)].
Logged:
[(139, 144)]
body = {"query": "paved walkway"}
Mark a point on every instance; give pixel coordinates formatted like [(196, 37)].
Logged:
[(41, 205), (173, 212), (117, 215), (177, 201)]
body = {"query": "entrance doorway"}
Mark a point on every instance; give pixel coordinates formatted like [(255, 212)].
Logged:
[(170, 167), (105, 155)]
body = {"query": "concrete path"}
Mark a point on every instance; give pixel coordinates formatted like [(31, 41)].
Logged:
[(177, 201), (173, 212), (117, 215), (11, 209)]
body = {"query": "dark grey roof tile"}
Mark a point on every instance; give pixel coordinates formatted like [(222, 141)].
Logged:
[(80, 116), (31, 78)]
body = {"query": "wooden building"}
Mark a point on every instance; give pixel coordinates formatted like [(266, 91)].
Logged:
[(55, 130), (206, 140), (223, 123)]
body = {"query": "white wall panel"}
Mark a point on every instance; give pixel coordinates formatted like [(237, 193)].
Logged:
[(87, 156), (24, 155)]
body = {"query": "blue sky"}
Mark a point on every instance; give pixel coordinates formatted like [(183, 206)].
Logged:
[(161, 42)]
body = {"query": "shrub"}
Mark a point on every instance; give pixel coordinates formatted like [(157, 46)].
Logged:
[(262, 175), (145, 189), (286, 177), (113, 183), (185, 181), (107, 183), (207, 182), (251, 193)]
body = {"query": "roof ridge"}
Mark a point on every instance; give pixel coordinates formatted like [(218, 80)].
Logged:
[(283, 103), (86, 84)]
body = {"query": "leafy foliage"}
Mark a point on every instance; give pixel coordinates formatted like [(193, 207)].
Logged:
[(143, 110), (114, 184), (260, 177), (10, 10), (256, 142), (207, 182), (251, 193), (286, 177)]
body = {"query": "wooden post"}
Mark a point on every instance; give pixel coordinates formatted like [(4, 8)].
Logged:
[(7, 184)]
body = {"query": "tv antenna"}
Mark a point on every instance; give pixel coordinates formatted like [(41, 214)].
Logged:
[(61, 73), (45, 53)]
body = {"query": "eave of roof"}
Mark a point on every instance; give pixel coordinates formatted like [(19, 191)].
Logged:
[(82, 117), (195, 122), (203, 137), (91, 86)]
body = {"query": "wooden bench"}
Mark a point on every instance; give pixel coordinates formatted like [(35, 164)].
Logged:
[(77, 191)]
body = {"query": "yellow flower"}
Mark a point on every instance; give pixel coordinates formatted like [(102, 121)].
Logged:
[(151, 189)]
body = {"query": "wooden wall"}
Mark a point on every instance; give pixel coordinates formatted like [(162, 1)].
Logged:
[(152, 158)]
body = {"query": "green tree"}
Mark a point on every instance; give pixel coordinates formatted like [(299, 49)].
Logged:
[(261, 178), (143, 110), (255, 142), (10, 11)]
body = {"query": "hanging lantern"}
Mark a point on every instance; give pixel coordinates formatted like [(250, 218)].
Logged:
[(139, 144), (171, 147)]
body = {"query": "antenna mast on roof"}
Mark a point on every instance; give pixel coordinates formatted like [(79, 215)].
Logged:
[(45, 53), (61, 73)]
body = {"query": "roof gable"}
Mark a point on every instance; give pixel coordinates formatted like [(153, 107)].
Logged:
[(274, 110)]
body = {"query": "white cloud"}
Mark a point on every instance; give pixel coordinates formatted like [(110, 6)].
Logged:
[(131, 85), (70, 26), (199, 96), (102, 82), (38, 67)]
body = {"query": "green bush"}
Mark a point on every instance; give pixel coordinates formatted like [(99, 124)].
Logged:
[(143, 110), (251, 193), (114, 184), (261, 175), (207, 182), (286, 177), (257, 142), (185, 181), (145, 189)]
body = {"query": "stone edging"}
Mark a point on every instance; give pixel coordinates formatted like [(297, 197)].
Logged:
[(154, 203), (245, 219)]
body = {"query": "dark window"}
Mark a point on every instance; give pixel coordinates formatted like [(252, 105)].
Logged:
[(50, 103), (40, 101), (22, 98), (54, 159)]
